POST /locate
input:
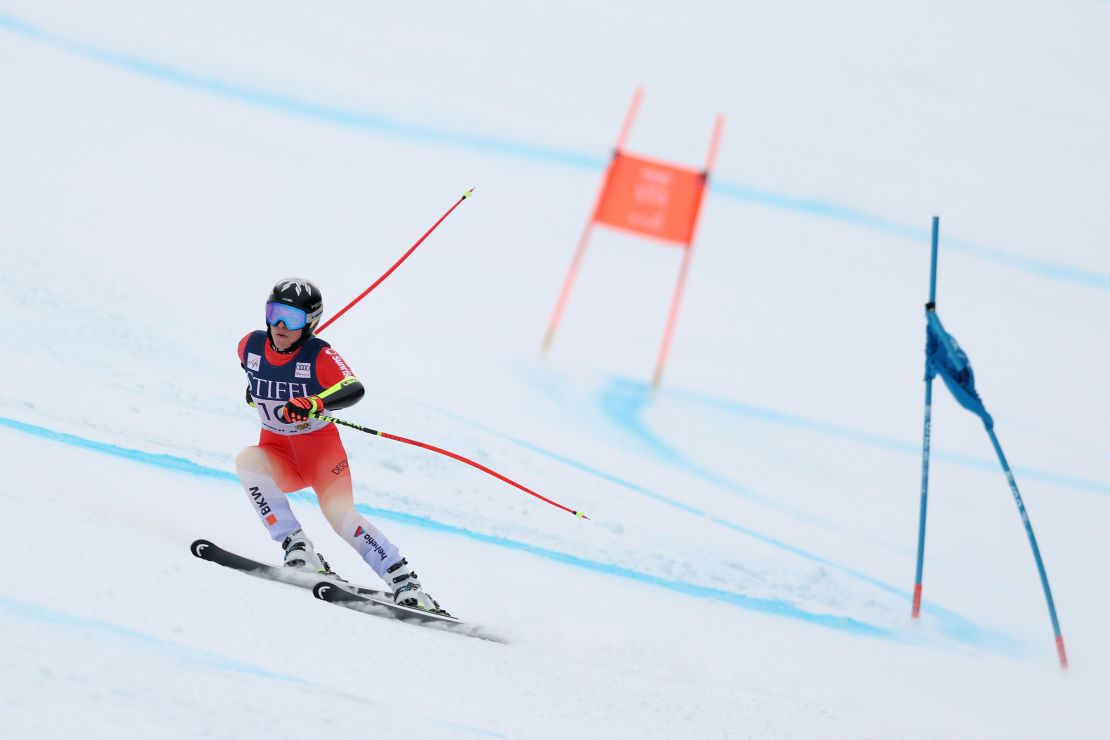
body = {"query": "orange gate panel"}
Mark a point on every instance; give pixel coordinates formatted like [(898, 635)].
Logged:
[(651, 198)]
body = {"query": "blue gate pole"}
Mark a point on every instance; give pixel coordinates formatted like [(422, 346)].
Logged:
[(1036, 551), (929, 307)]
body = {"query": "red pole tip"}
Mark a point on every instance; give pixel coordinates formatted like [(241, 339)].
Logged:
[(1060, 651), (916, 600)]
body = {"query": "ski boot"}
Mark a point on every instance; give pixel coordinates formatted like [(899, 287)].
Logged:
[(407, 590), (300, 554)]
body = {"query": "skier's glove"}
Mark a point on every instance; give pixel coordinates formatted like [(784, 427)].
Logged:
[(299, 409), (250, 399)]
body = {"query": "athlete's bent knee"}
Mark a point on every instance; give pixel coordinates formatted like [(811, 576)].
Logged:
[(338, 516), (252, 459)]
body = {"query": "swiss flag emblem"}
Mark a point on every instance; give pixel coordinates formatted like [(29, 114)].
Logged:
[(358, 531)]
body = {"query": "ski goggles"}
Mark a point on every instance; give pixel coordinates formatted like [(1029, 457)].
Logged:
[(294, 318)]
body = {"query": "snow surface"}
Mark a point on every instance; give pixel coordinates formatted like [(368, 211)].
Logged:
[(748, 565)]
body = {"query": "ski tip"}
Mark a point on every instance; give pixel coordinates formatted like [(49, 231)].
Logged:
[(200, 548), (327, 591)]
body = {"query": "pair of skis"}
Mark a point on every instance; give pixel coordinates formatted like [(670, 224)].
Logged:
[(358, 598)]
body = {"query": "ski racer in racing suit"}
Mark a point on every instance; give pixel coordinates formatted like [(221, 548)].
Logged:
[(293, 376)]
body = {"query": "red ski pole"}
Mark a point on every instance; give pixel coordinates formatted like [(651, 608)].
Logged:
[(448, 453), (396, 264)]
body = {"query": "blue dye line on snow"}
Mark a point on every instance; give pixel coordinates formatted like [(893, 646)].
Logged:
[(770, 606), (168, 462), (951, 624), (622, 401), (887, 443), (664, 499), (303, 108), (776, 607), (507, 147), (820, 209), (571, 462), (844, 214), (72, 622)]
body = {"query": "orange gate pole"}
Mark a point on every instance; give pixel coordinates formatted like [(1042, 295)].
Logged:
[(579, 253), (673, 314)]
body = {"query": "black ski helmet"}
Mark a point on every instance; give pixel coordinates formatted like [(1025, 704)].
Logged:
[(302, 294)]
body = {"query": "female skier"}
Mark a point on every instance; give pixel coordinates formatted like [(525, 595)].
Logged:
[(292, 376)]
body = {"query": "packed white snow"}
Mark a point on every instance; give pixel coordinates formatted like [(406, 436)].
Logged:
[(748, 563)]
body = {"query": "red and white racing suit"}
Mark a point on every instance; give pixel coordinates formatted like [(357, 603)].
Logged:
[(304, 454)]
